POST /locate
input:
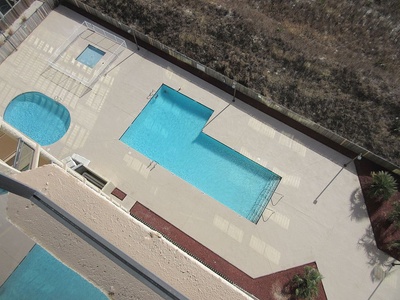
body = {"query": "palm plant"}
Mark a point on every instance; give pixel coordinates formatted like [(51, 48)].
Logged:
[(306, 285), (394, 215), (394, 245), (383, 185)]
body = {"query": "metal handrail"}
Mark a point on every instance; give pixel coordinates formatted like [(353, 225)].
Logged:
[(262, 200)]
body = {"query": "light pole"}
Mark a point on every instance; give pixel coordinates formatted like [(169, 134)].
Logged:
[(134, 37), (358, 157), (234, 91), (385, 274)]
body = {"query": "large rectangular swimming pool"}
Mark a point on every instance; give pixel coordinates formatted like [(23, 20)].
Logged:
[(169, 131)]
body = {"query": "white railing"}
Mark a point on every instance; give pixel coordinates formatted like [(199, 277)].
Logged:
[(38, 152), (107, 34), (25, 29), (262, 200), (113, 54)]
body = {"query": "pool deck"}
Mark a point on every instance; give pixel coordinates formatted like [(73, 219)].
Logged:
[(317, 213), (14, 245)]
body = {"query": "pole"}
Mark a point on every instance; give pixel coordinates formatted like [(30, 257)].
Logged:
[(387, 272), (134, 37), (234, 91), (358, 157)]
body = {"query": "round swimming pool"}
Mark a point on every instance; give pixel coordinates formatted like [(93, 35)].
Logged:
[(39, 117)]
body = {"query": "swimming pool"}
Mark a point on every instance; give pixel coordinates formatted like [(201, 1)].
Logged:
[(90, 56), (41, 276), (169, 131), (39, 117)]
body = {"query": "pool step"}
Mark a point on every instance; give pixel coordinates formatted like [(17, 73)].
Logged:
[(263, 199), (53, 107)]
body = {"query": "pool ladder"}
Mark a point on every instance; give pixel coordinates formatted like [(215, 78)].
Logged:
[(152, 165), (151, 94), (262, 200)]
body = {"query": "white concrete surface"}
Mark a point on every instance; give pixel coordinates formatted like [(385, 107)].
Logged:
[(132, 238), (14, 245), (318, 209)]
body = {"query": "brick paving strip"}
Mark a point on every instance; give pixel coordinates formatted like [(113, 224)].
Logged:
[(119, 194), (264, 287)]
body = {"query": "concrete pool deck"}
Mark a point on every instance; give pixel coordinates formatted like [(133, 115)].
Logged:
[(14, 245), (317, 213)]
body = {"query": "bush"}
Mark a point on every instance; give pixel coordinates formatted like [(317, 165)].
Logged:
[(383, 185), (394, 245), (394, 215), (306, 285)]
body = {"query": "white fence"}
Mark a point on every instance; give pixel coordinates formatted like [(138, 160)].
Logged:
[(9, 40), (38, 152)]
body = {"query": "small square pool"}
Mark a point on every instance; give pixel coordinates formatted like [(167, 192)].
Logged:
[(90, 56)]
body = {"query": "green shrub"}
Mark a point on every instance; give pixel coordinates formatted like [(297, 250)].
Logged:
[(383, 185), (306, 285), (394, 215), (394, 245)]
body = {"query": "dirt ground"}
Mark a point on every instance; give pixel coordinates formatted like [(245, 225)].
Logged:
[(333, 61)]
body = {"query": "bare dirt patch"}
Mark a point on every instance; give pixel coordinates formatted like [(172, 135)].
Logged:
[(335, 62)]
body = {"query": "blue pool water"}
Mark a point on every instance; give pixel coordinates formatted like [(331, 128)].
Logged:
[(169, 131), (90, 56), (39, 117), (41, 276)]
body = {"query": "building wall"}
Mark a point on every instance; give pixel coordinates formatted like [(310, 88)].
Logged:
[(132, 238)]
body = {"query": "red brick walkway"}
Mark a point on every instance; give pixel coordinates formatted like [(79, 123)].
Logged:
[(262, 287)]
